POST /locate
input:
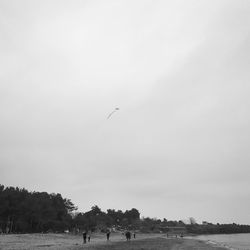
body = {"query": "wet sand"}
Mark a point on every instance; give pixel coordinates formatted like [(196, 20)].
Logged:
[(99, 242)]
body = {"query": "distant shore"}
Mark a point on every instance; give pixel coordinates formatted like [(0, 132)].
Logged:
[(99, 242)]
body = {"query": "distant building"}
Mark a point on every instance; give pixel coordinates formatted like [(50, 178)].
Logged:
[(205, 223), (174, 230)]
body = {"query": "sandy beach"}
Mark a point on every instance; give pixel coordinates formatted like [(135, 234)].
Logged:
[(98, 242)]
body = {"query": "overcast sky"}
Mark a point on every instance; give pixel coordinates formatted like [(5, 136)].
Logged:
[(179, 72)]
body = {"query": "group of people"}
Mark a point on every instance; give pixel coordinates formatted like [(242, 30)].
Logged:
[(86, 236), (128, 235)]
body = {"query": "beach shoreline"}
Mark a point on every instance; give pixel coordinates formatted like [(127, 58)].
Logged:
[(99, 242)]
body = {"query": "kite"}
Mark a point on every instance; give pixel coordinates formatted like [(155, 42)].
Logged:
[(116, 109)]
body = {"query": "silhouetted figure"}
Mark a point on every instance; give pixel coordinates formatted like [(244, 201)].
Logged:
[(128, 235), (134, 235), (84, 235), (108, 234), (88, 237)]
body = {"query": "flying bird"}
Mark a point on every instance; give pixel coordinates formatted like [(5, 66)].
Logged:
[(116, 109)]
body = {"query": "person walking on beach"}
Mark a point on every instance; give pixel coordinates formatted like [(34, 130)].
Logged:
[(89, 237), (84, 235), (108, 234), (128, 235)]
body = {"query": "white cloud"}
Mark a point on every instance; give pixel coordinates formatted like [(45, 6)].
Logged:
[(177, 70)]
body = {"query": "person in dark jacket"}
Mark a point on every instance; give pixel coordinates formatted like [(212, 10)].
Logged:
[(128, 235), (108, 234), (84, 235)]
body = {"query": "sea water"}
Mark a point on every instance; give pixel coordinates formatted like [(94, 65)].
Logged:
[(231, 241)]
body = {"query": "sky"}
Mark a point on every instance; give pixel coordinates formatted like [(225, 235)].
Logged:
[(178, 71)]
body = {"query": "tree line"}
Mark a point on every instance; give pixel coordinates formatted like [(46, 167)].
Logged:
[(22, 211), (218, 228), (31, 212)]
